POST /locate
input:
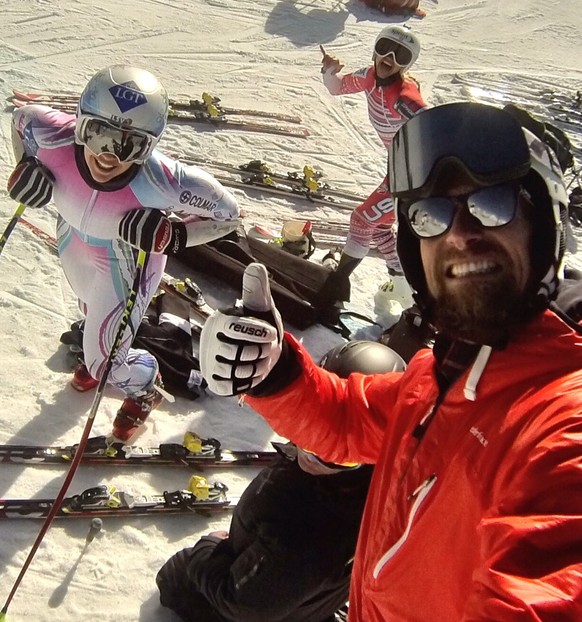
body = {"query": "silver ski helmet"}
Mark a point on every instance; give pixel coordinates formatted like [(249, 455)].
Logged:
[(365, 357), (393, 37), (123, 98), (490, 146)]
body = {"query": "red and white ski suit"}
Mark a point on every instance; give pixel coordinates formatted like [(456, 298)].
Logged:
[(475, 507), (388, 108)]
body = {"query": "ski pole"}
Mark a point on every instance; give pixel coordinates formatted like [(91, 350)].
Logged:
[(140, 267), (13, 221)]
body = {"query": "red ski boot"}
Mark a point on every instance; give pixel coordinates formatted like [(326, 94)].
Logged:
[(82, 380), (133, 413)]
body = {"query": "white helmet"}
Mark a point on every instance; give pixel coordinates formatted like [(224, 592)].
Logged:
[(404, 38), (123, 98)]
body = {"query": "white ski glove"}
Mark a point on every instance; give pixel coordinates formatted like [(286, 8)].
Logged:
[(240, 346)]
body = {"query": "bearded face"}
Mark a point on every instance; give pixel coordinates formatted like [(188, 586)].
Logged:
[(477, 276)]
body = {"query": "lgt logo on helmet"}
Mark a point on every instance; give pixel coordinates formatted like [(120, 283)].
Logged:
[(127, 96)]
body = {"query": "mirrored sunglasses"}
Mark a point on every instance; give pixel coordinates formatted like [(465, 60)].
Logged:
[(493, 206), (101, 137), (402, 55)]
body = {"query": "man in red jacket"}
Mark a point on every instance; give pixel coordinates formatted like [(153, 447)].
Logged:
[(475, 508)]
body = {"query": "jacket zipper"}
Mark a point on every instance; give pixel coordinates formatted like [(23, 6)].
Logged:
[(88, 210), (418, 495)]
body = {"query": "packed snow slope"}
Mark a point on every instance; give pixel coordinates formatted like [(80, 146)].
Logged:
[(253, 54)]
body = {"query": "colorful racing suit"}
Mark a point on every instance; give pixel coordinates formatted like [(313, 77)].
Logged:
[(98, 264), (389, 106)]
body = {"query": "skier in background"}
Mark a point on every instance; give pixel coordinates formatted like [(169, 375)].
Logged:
[(393, 97), (112, 190)]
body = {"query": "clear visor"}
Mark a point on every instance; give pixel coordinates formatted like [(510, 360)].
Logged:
[(100, 137), (486, 142)]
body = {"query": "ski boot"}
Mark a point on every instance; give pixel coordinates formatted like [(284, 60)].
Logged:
[(82, 380), (134, 411)]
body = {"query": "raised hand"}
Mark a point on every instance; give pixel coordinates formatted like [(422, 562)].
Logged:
[(329, 63), (240, 346)]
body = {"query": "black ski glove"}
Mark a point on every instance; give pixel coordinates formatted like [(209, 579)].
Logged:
[(31, 183), (151, 231)]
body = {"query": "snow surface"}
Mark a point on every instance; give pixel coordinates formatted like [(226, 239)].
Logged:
[(252, 53)]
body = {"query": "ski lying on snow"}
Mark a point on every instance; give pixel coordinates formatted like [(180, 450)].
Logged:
[(279, 184), (513, 84), (508, 91), (194, 451), (188, 291), (207, 101), (287, 190), (308, 181), (106, 500), (194, 116)]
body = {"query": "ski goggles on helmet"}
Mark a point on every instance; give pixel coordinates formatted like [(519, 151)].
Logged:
[(99, 136), (487, 143), (402, 55), (493, 206)]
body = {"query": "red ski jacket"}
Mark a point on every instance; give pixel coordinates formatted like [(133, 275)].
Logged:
[(475, 507)]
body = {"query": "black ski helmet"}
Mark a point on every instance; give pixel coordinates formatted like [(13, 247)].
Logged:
[(366, 357), (490, 146)]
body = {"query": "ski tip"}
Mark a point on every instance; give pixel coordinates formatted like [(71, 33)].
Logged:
[(20, 94)]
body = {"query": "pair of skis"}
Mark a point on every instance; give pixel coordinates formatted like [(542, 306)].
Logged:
[(208, 110), (307, 183), (103, 500)]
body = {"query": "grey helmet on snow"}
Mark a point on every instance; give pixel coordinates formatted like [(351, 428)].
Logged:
[(364, 357), (490, 146), (124, 98)]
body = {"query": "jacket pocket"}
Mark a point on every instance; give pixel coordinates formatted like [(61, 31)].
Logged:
[(418, 496)]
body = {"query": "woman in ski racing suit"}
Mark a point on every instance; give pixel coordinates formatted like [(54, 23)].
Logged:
[(113, 190), (392, 97)]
